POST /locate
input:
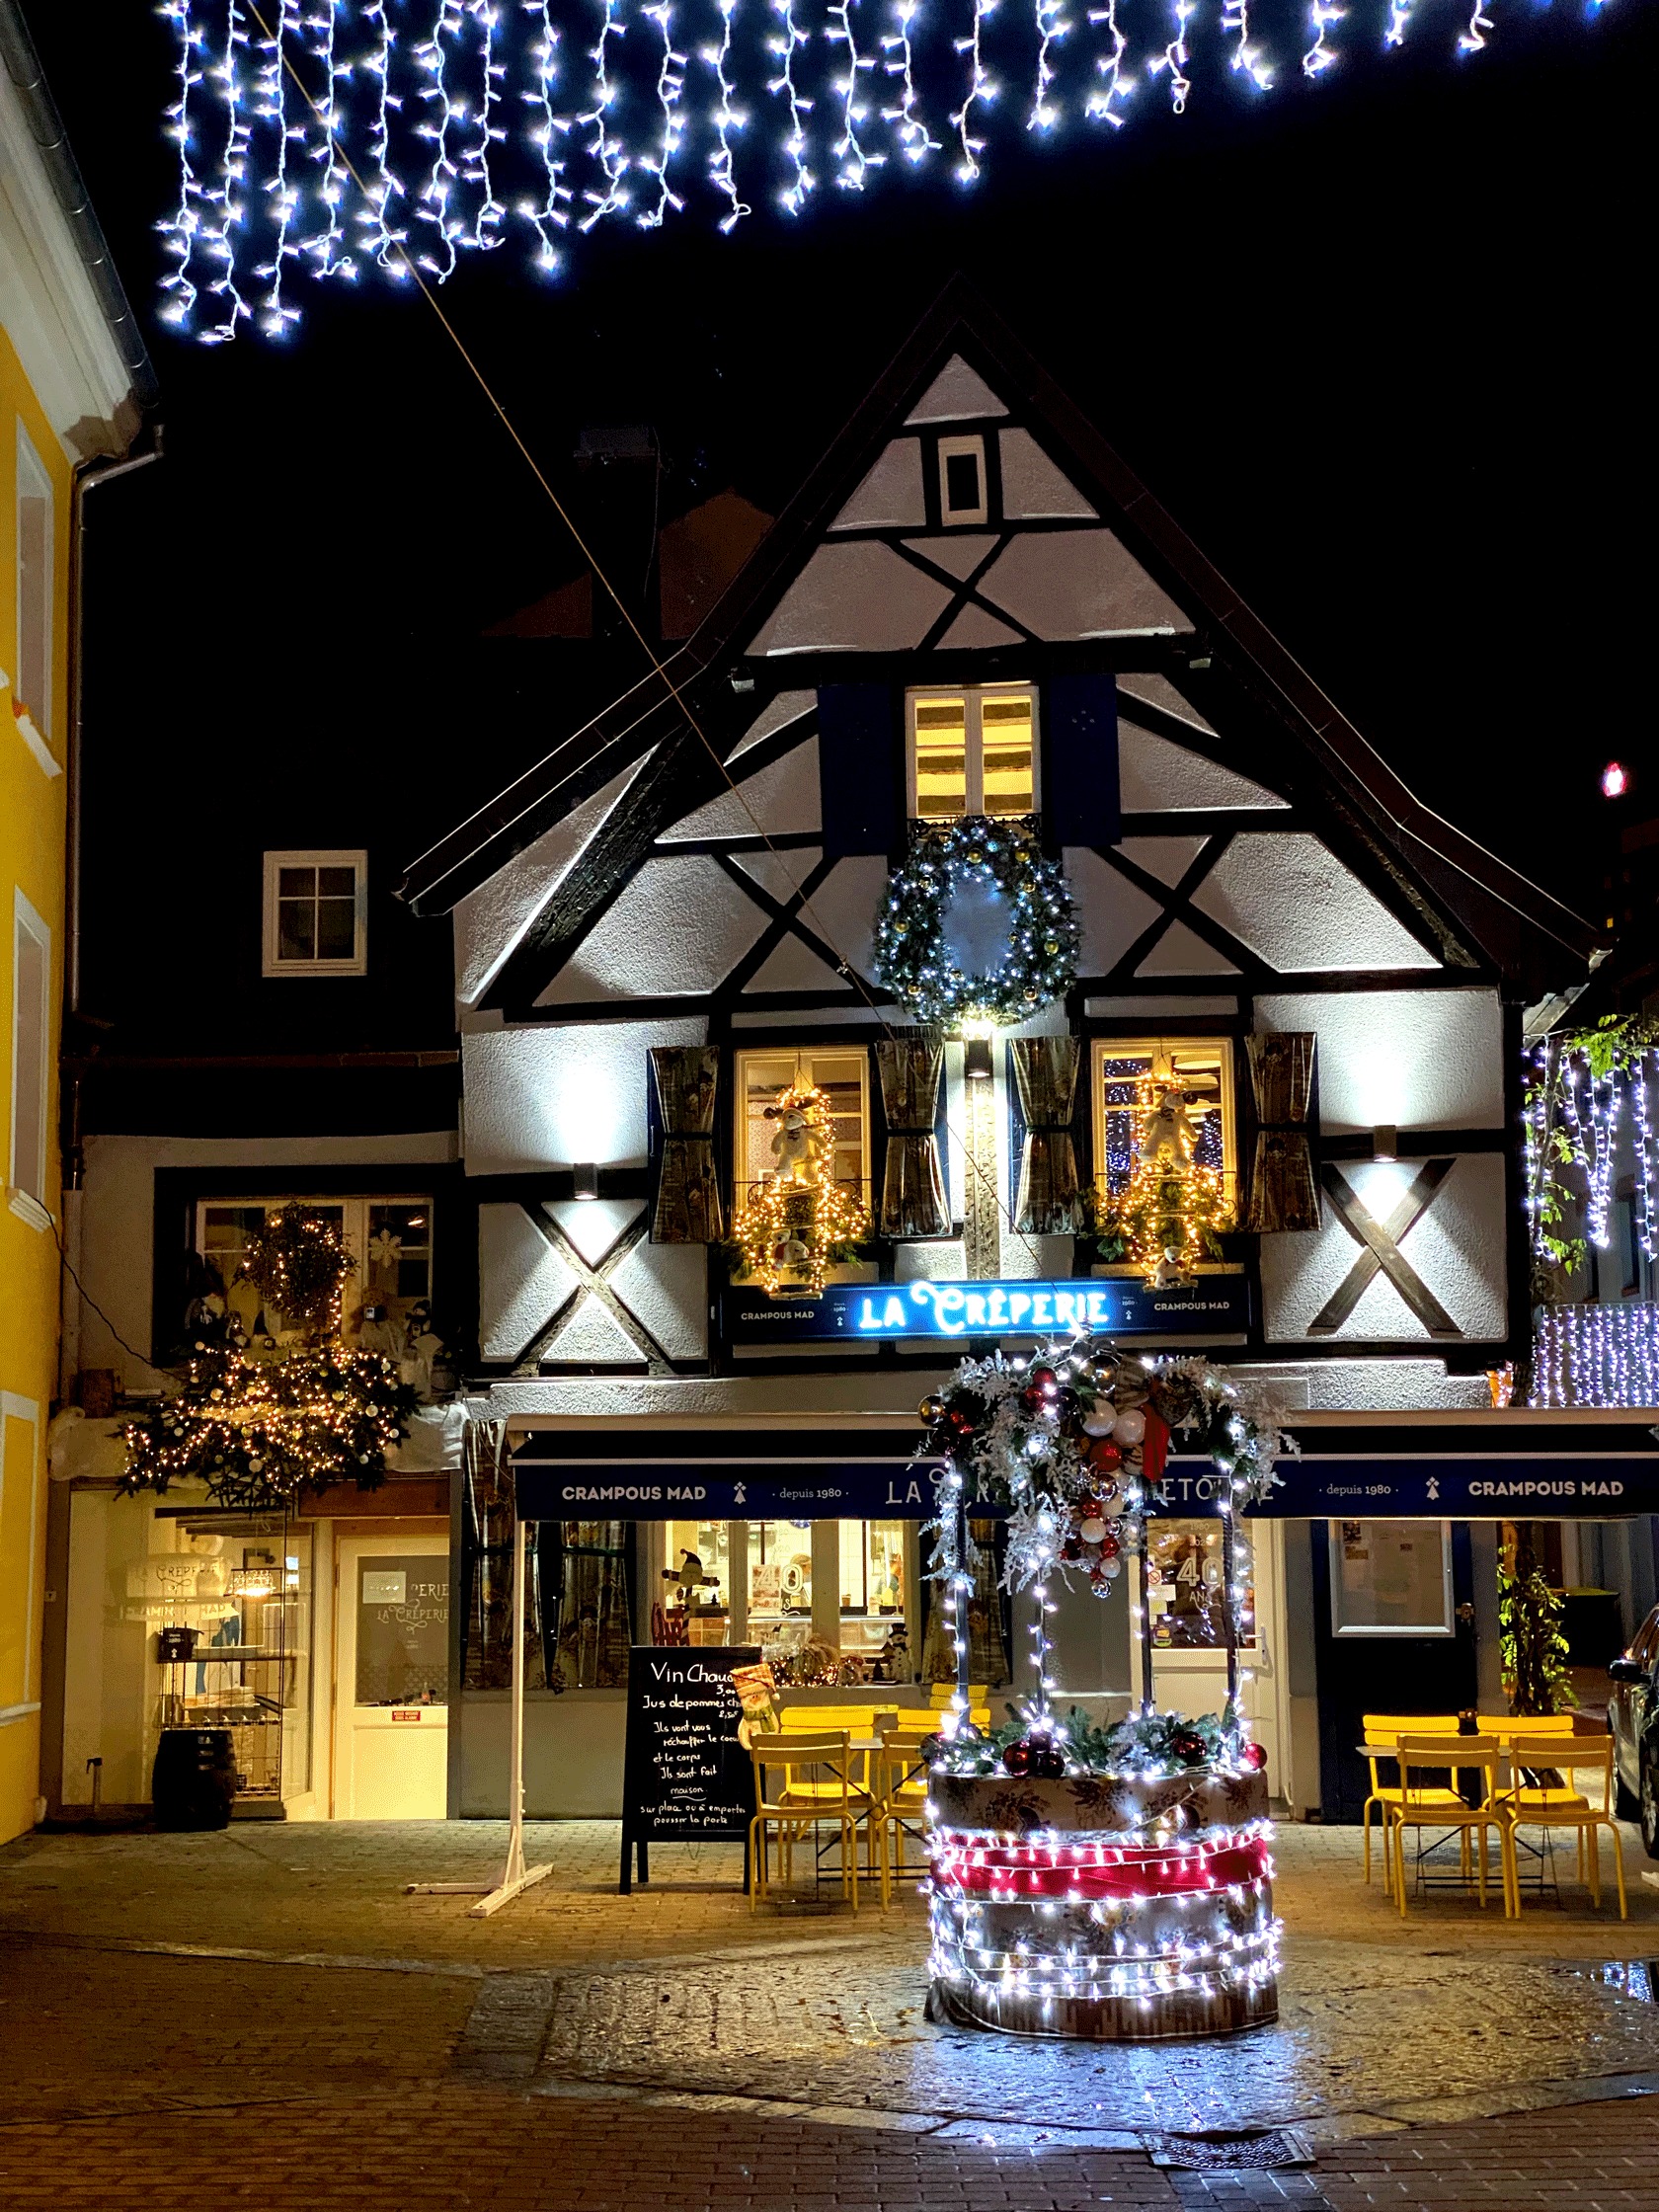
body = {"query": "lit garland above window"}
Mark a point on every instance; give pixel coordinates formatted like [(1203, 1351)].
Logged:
[(993, 864), (257, 1428), (348, 138)]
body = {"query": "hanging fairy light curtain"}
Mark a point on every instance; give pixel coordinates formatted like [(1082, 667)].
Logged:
[(344, 139), (1589, 1122)]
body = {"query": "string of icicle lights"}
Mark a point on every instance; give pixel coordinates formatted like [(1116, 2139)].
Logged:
[(348, 138)]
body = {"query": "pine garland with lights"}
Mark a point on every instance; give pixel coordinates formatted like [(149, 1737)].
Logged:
[(256, 1432), (912, 957), (799, 1221)]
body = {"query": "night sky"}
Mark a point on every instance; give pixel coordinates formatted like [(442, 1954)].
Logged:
[(1376, 346)]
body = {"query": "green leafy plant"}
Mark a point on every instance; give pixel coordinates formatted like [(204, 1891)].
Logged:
[(1531, 1648), (1557, 1163)]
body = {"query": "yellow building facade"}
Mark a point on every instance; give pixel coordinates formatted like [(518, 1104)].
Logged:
[(72, 372)]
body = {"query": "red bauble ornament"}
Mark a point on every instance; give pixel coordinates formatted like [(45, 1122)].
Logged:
[(1188, 1747), (1109, 1545), (1254, 1757), (1043, 1378), (1103, 1456), (1018, 1757)]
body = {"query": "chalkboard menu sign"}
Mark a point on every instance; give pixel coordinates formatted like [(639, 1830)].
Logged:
[(685, 1777)]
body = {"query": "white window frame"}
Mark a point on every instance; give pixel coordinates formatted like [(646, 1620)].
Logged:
[(973, 696), (956, 517), (354, 1211), (26, 1192), (1129, 1048), (33, 479), (804, 1057), (274, 863)]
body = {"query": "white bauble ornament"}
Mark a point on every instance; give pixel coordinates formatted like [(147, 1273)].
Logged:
[(1101, 1422), (1129, 1427), (1112, 1506), (1092, 1530)]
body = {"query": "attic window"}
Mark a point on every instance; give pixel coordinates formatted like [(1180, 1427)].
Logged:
[(972, 751), (962, 481)]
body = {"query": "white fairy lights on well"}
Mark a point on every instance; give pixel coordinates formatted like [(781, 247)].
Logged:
[(340, 139), (1103, 1882)]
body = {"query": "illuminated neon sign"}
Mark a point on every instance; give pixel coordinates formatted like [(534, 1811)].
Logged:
[(1215, 1307)]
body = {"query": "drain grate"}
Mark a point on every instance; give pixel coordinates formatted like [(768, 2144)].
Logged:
[(1231, 2151)]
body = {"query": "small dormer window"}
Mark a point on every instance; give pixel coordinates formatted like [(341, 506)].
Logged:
[(963, 497)]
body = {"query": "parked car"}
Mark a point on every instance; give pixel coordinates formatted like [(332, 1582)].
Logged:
[(1633, 1719)]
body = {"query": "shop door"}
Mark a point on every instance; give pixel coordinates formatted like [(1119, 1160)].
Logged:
[(1394, 1604), (391, 1733), (1188, 1621)]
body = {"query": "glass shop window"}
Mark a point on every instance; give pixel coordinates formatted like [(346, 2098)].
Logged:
[(1185, 1585), (973, 751), (843, 1077), (872, 1575), (696, 1599), (592, 1626), (781, 1582), (1203, 1112), (387, 1301), (1392, 1578)]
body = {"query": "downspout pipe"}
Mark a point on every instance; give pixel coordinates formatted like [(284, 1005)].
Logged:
[(89, 477)]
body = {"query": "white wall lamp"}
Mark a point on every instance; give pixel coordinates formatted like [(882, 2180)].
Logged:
[(976, 1060), (1385, 1142), (585, 1179)]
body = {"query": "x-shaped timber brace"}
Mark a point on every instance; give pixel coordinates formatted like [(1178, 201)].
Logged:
[(593, 1277), (1379, 1244)]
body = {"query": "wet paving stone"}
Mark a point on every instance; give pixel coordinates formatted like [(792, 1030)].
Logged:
[(1362, 2030)]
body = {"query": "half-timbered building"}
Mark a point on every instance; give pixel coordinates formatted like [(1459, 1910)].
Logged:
[(971, 610)]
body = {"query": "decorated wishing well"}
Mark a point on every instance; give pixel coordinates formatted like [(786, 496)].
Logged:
[(1109, 1882)]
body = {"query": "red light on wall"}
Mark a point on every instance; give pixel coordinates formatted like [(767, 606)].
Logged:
[(1616, 780)]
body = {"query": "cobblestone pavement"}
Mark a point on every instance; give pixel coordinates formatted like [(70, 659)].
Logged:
[(264, 2014)]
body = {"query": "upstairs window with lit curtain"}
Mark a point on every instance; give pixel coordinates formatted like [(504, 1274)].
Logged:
[(32, 684), (972, 751), (843, 1076), (314, 913), (1203, 1066)]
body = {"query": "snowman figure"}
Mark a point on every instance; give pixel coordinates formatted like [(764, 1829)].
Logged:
[(1169, 1274)]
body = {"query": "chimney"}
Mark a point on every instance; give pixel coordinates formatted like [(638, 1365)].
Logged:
[(619, 473)]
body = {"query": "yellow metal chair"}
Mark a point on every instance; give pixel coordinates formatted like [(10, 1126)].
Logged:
[(940, 1694), (812, 1783), (1549, 1805), (902, 1778), (1383, 1730), (1423, 1804)]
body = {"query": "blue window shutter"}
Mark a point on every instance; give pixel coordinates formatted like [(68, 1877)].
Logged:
[(1079, 746), (861, 770)]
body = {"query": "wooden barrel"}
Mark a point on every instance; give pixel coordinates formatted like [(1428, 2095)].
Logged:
[(1115, 1908)]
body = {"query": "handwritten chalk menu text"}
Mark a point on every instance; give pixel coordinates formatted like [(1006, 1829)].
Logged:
[(685, 1777)]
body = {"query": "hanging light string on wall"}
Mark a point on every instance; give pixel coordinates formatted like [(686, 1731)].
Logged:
[(399, 248), (345, 138)]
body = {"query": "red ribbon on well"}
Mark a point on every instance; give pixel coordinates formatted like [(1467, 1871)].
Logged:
[(1017, 1871)]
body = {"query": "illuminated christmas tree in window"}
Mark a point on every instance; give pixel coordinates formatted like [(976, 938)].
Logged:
[(799, 1219)]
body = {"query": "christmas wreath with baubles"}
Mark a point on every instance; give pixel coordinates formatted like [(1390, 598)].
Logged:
[(913, 956), (1067, 1442)]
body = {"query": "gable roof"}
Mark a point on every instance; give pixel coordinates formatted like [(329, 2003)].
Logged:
[(963, 355)]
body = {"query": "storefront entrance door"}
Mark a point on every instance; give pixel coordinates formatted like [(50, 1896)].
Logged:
[(391, 1733), (1395, 1633)]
